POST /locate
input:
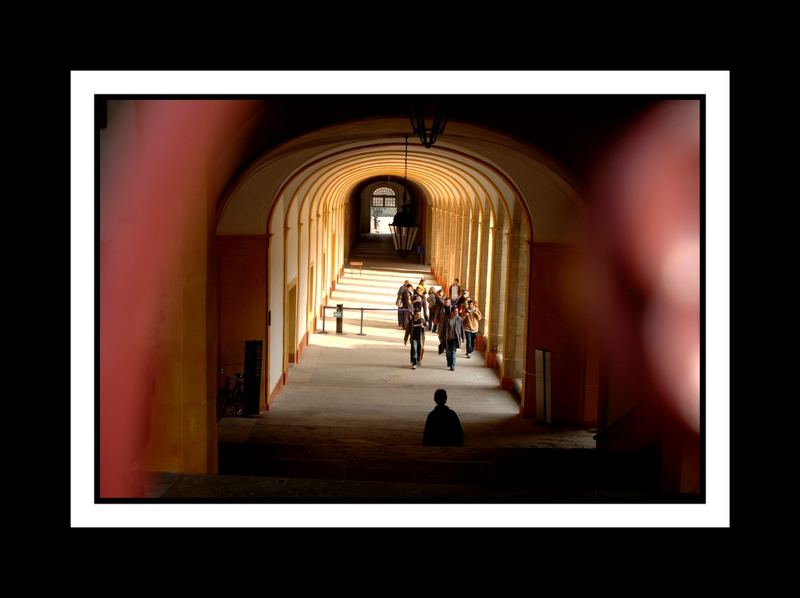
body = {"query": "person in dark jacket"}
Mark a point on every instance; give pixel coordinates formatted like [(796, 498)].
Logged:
[(451, 335), (430, 299), (418, 303), (436, 313), (415, 329), (401, 321), (455, 291), (442, 428), (405, 301)]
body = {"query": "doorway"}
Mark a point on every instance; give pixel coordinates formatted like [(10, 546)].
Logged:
[(290, 327), (544, 410), (382, 208), (310, 315)]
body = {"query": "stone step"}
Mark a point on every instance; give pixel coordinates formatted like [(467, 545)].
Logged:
[(542, 470), (304, 490)]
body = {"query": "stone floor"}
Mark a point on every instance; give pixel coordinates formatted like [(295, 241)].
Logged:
[(362, 390)]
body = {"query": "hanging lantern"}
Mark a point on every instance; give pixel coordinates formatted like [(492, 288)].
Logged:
[(428, 120), (404, 227), (404, 232)]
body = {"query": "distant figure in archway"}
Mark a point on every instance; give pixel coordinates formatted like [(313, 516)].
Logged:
[(442, 428)]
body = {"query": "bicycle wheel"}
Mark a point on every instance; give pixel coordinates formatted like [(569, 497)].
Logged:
[(220, 404), (223, 400), (237, 400)]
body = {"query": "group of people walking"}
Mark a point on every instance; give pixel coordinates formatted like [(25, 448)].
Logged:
[(453, 316)]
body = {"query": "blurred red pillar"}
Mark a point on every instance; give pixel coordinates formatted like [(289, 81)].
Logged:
[(157, 160)]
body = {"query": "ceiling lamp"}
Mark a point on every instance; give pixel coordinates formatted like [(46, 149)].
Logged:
[(428, 120)]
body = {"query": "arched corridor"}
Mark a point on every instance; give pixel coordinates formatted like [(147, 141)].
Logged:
[(352, 409), (253, 236), (475, 225)]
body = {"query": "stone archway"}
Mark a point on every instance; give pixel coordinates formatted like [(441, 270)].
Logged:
[(499, 214)]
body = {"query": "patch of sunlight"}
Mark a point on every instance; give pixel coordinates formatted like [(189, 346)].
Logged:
[(346, 341), (391, 273)]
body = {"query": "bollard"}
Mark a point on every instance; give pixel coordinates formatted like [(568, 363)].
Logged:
[(323, 320), (361, 330), (339, 317)]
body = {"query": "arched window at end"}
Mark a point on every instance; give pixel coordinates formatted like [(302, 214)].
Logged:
[(384, 197)]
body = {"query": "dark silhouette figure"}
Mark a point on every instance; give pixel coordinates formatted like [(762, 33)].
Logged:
[(442, 428)]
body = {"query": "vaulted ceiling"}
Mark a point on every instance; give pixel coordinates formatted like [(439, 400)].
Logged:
[(473, 171), (572, 129)]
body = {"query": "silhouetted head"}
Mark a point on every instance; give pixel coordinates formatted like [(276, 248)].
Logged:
[(440, 396), (456, 279)]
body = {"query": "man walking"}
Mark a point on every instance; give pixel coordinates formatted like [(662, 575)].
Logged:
[(401, 320), (416, 331), (471, 317), (451, 334), (455, 291)]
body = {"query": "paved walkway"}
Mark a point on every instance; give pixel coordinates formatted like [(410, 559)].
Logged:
[(361, 389)]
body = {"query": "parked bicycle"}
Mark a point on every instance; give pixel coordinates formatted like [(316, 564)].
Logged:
[(230, 397)]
